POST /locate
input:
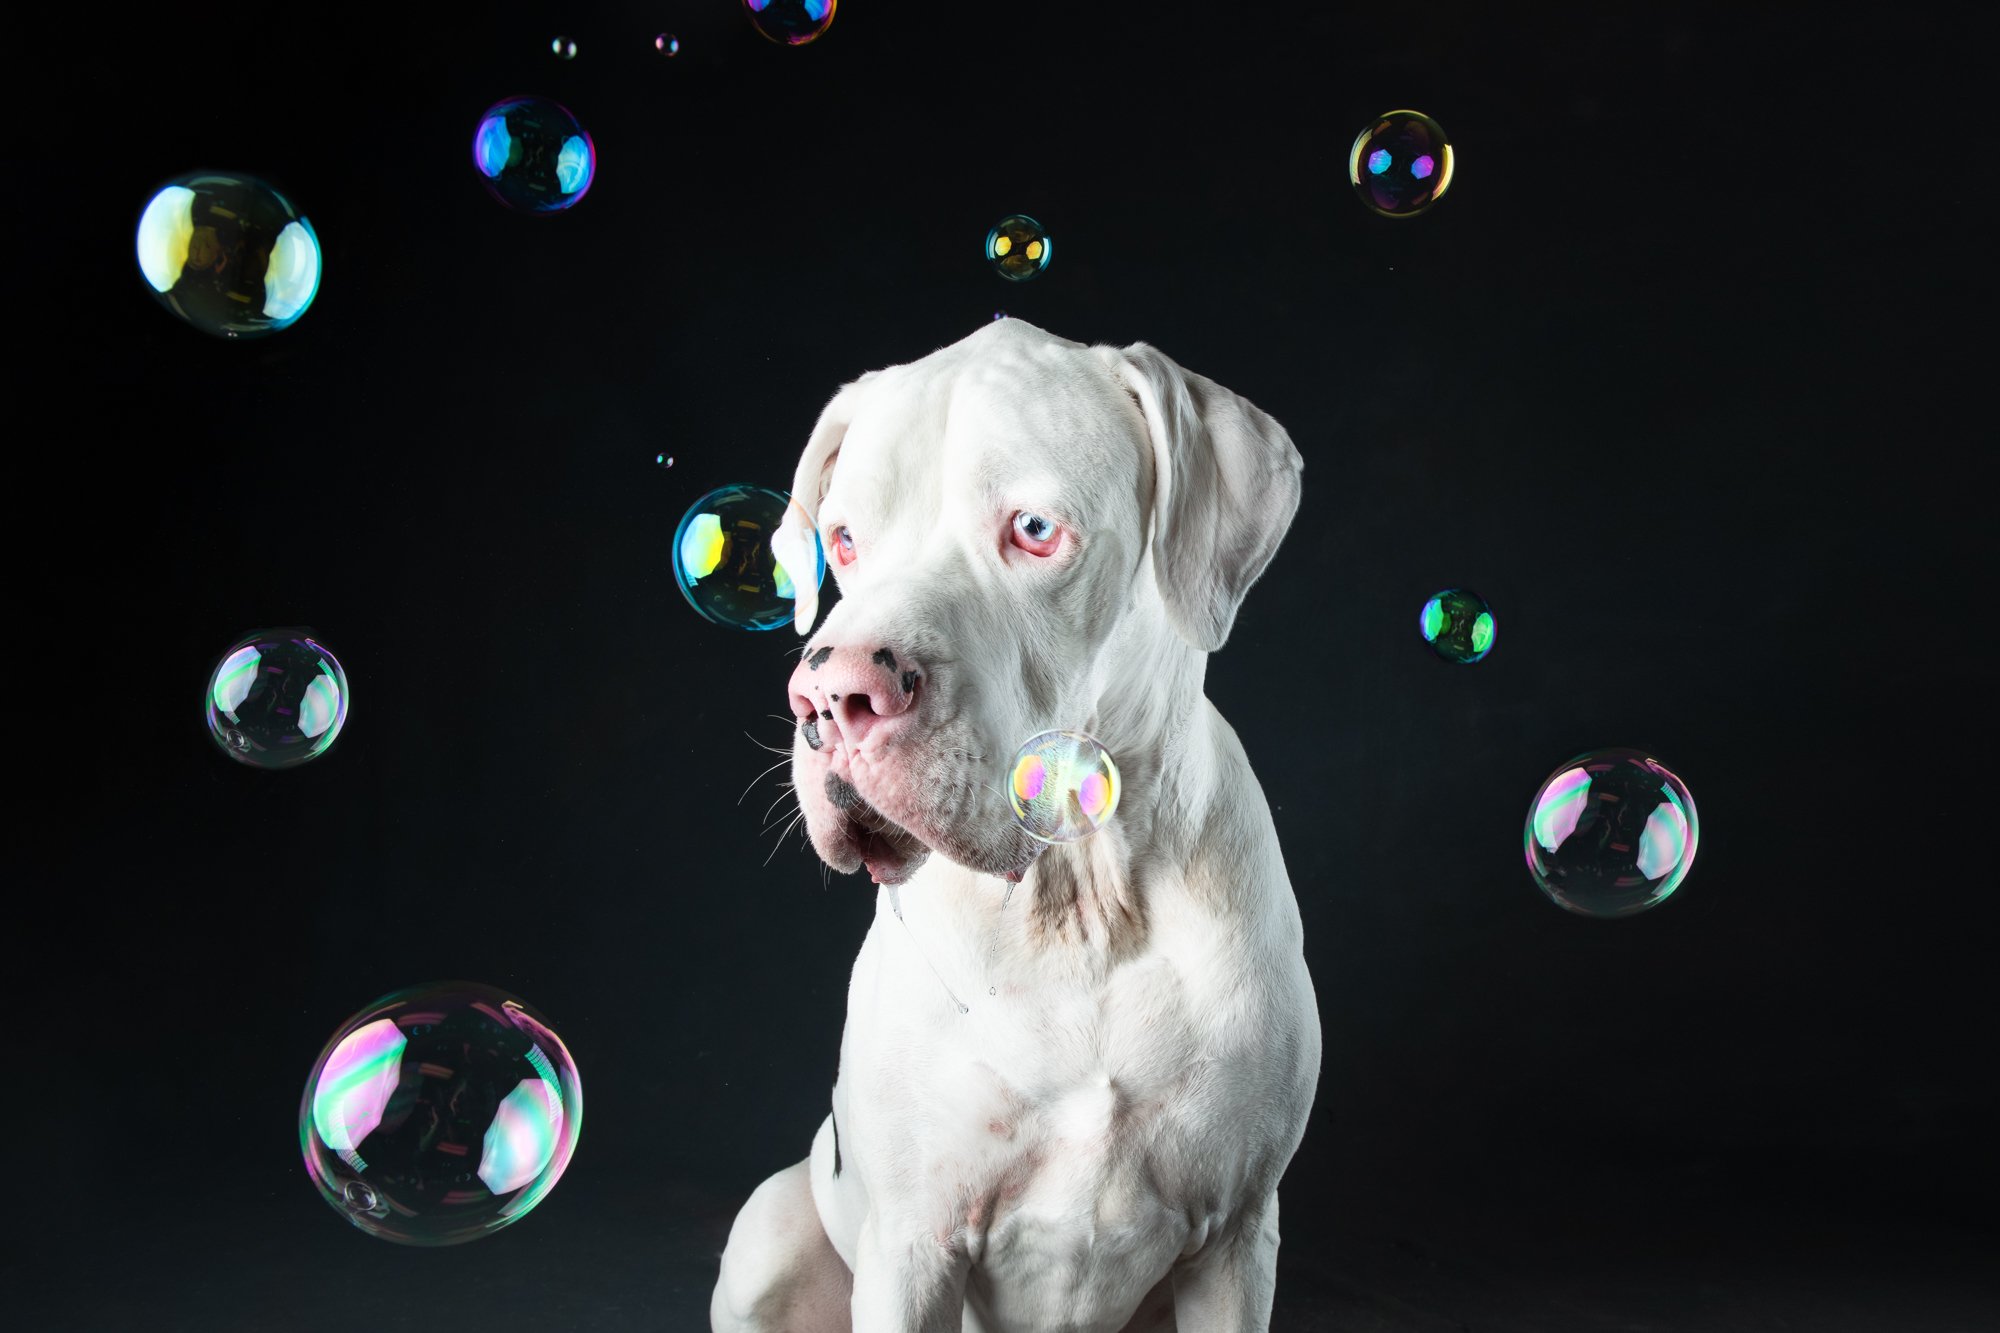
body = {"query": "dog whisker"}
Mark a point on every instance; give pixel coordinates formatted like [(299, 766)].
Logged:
[(779, 820), (760, 777), (781, 837)]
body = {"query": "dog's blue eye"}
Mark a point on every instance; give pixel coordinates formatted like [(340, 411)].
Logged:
[(1035, 526), (845, 538)]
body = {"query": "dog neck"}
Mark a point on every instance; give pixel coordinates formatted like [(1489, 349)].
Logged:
[(1083, 908), (1090, 895)]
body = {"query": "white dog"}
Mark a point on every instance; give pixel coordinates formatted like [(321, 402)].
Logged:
[(1072, 1074)]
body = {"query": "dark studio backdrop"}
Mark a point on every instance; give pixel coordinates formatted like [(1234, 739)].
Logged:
[(1681, 374)]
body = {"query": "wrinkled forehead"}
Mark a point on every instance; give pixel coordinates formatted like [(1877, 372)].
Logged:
[(990, 419)]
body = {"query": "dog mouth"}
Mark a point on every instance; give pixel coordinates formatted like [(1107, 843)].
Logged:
[(890, 852)]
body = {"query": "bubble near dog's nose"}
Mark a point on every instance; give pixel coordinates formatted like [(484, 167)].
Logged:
[(1064, 785)]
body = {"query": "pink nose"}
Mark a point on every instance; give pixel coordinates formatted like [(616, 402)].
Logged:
[(842, 694)]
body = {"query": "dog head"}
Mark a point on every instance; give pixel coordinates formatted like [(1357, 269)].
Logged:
[(1026, 533)]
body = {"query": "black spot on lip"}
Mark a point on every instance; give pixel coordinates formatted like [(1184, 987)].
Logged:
[(909, 681), (836, 1141), (841, 795), (828, 716), (884, 658), (818, 659), (811, 728)]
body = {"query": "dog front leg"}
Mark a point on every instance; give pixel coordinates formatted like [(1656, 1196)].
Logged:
[(906, 1280), (1228, 1288)]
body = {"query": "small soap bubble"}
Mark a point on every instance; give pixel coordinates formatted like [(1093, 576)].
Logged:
[(533, 155), (999, 314), (228, 253), (1610, 833), (440, 1114), (1063, 786), (564, 48), (663, 460), (1018, 248), (1401, 163), (741, 564), (790, 22), (1458, 625), (277, 699), (667, 44)]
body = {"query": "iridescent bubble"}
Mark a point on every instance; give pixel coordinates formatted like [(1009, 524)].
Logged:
[(440, 1114), (741, 564), (1018, 248), (564, 48), (1610, 833), (790, 22), (999, 314), (663, 460), (1063, 786), (1400, 164), (276, 699), (667, 44), (534, 155), (1458, 625), (228, 253)]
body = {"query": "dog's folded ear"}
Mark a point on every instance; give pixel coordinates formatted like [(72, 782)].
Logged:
[(792, 543), (1225, 488)]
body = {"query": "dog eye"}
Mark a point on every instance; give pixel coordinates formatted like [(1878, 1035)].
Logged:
[(1036, 535), (843, 546)]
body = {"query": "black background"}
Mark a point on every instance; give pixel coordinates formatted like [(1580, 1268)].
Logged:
[(1683, 374)]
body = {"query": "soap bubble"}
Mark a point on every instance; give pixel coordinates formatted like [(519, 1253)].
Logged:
[(1400, 164), (663, 460), (667, 44), (1063, 785), (1458, 625), (739, 562), (533, 154), (276, 699), (440, 1114), (1018, 248), (1610, 833), (228, 253), (790, 22), (564, 48)]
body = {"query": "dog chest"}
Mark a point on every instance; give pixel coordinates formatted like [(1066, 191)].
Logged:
[(1074, 1141)]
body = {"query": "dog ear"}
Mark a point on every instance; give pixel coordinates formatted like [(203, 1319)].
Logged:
[(1225, 487), (793, 543)]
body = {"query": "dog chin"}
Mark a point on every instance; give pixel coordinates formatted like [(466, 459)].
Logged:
[(854, 832), (888, 853), (1007, 857), (892, 854)]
